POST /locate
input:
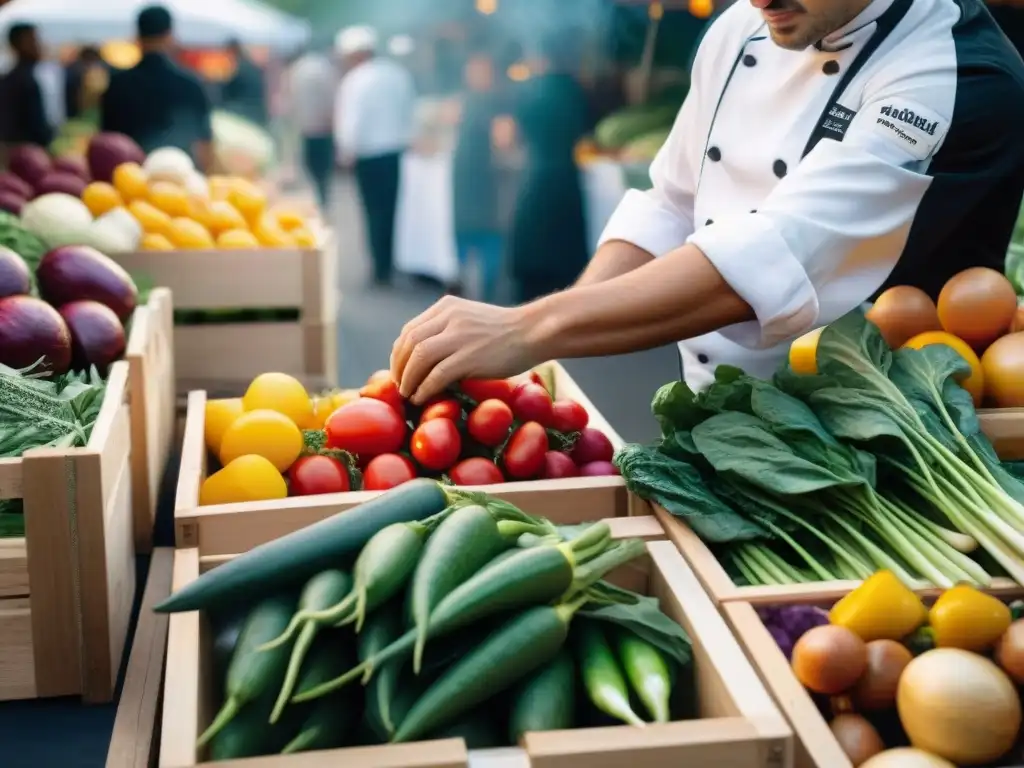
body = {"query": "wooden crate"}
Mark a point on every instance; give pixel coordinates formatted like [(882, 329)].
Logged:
[(150, 356), (66, 589), (814, 744), (572, 500), (739, 726), (1005, 428), (289, 278)]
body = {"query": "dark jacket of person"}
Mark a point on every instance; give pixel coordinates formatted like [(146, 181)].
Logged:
[(245, 93), (23, 119), (475, 173), (158, 104)]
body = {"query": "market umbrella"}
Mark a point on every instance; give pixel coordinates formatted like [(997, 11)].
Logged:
[(197, 22)]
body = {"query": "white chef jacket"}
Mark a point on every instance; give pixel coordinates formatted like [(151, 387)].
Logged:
[(893, 150), (374, 111)]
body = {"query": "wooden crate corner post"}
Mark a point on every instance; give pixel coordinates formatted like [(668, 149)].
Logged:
[(150, 357)]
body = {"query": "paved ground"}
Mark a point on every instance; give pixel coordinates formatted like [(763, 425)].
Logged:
[(621, 387)]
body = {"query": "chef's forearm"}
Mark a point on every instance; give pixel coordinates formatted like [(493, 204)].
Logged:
[(676, 297), (613, 259)]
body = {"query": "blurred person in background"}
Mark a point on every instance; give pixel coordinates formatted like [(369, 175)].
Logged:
[(156, 102), (311, 82), (374, 118), (85, 79), (23, 112), (548, 240), (245, 93), (475, 177)]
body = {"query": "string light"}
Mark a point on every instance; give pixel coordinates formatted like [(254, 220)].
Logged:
[(702, 9), (487, 7), (656, 10), (519, 72)]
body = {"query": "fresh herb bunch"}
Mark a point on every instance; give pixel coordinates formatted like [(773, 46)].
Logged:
[(41, 412)]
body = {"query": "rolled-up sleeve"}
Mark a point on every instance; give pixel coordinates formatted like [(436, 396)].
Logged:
[(843, 214), (659, 220)]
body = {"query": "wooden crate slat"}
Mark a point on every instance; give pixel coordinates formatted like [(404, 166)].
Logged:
[(10, 479)]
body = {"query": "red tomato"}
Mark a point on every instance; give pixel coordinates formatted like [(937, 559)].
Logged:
[(487, 389), (442, 409), (436, 444), (568, 416), (558, 465), (384, 388), (524, 454), (365, 427), (531, 402), (313, 475), (476, 471), (382, 375), (536, 378), (386, 471), (592, 446), (490, 422)]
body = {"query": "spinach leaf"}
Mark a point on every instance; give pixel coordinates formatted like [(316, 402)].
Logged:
[(730, 392), (680, 489), (800, 385), (855, 415), (676, 407), (740, 444), (852, 352)]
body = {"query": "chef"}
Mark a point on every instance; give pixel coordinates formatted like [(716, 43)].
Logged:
[(828, 148)]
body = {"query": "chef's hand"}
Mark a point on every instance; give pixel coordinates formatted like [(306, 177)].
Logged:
[(460, 339)]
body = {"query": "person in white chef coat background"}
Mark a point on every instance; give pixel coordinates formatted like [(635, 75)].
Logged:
[(374, 121), (827, 148)]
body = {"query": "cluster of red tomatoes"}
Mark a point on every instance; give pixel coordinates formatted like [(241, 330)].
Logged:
[(488, 431)]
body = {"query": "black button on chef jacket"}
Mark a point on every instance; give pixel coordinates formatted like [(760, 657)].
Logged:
[(158, 104), (891, 152)]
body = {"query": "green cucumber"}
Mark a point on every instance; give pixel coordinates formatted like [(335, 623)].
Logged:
[(300, 555), (531, 577), (324, 589), (478, 730), (648, 674), (601, 675), (382, 628), (512, 652), (547, 700), (463, 544), (253, 673), (246, 734)]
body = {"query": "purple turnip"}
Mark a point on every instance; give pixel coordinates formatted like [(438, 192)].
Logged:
[(79, 272), (61, 181), (599, 469), (109, 150), (11, 202), (73, 165), (558, 465), (592, 445), (15, 279), (16, 184), (31, 329), (97, 336), (29, 162)]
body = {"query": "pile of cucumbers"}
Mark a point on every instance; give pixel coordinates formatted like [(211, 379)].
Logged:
[(431, 613)]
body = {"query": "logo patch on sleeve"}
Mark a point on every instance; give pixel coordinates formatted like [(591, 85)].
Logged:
[(910, 125)]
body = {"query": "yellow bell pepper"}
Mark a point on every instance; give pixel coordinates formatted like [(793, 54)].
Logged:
[(966, 618), (882, 608)]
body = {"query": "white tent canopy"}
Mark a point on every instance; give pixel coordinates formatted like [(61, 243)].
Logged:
[(196, 22)]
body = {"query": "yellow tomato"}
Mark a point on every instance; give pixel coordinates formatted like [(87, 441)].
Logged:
[(975, 381), (100, 197), (221, 414), (303, 237), (131, 181), (271, 235), (237, 238), (323, 406), (154, 242), (190, 235), (247, 478), (219, 187), (224, 216), (803, 353), (170, 198), (279, 392), (265, 433), (248, 199), (339, 399), (289, 220), (152, 220)]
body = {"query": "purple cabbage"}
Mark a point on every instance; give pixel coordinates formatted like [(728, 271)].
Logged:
[(787, 624)]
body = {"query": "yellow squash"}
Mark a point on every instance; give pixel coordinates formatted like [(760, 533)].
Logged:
[(220, 414), (966, 618), (282, 393), (247, 478), (882, 608), (269, 434)]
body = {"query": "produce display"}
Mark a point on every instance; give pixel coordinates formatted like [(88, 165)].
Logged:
[(903, 685), (278, 440), (877, 461), (977, 315), (120, 200), (429, 613)]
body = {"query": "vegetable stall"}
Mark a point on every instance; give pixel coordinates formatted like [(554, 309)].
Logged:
[(465, 624), (856, 457)]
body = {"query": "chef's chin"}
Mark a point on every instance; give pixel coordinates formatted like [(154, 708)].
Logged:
[(801, 32)]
